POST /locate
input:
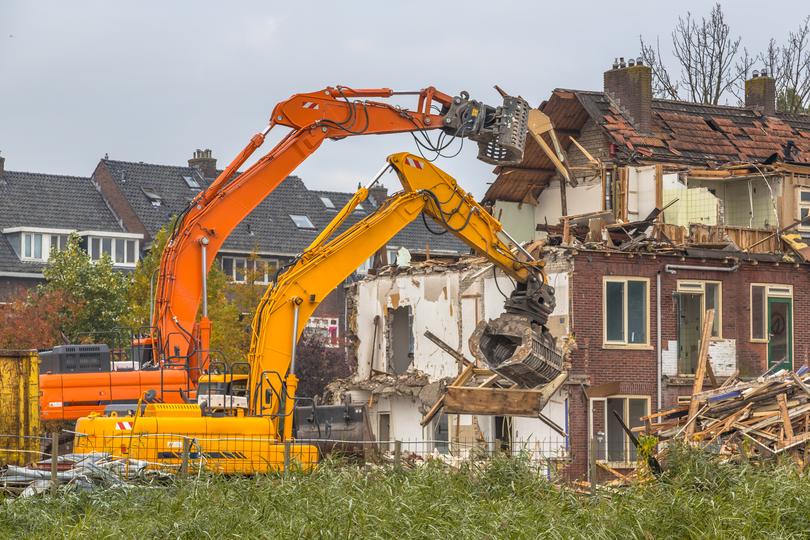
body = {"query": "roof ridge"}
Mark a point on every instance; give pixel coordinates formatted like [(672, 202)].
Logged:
[(143, 163), (48, 174)]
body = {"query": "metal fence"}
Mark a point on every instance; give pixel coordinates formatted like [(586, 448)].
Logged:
[(39, 463)]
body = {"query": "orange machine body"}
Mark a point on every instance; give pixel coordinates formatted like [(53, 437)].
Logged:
[(69, 396)]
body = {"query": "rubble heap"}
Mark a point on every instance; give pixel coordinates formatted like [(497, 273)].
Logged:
[(757, 419)]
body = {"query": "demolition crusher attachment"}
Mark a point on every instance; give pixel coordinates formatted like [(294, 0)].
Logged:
[(517, 345)]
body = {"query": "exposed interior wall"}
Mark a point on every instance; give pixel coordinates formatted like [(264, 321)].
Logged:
[(722, 356), (585, 198), (517, 219), (640, 192), (747, 202)]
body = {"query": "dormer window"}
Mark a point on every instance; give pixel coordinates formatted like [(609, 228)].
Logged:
[(302, 222), (191, 181), (152, 195), (32, 246)]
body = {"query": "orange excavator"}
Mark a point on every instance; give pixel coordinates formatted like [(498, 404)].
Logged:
[(179, 344)]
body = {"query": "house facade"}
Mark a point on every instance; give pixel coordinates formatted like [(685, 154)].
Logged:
[(37, 214), (652, 213)]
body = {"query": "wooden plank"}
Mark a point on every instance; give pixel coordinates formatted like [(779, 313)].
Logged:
[(462, 378), (703, 359), (783, 410), (500, 401), (798, 380), (585, 153), (659, 189), (447, 348)]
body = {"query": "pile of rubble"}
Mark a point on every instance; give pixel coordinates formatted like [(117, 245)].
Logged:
[(757, 419), (78, 471)]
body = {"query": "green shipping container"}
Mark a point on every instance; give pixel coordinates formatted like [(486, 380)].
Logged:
[(19, 407)]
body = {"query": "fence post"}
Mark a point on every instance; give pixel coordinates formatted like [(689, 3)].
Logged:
[(398, 454), (185, 457), (54, 462), (286, 456), (592, 475)]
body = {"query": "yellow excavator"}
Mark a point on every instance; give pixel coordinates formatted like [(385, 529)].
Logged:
[(263, 437)]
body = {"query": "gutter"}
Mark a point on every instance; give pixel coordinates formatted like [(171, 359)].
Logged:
[(22, 275), (671, 268)]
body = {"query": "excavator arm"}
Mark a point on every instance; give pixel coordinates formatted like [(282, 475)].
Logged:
[(286, 306), (331, 113)]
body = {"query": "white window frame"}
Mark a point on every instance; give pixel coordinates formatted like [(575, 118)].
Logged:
[(772, 290), (27, 254), (802, 205), (624, 344), (311, 225), (317, 324), (626, 398), (251, 266), (127, 263), (698, 286)]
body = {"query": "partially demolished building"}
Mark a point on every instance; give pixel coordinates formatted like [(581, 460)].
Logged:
[(648, 213)]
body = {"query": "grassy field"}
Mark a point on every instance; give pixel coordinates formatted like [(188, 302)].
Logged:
[(697, 498)]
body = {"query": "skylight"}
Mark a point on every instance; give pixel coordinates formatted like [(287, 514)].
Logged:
[(327, 202), (191, 181), (152, 195), (302, 222)]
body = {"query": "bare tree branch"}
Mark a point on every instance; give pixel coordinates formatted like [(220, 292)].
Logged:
[(662, 83)]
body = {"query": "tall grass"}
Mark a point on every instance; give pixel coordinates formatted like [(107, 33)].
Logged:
[(697, 498)]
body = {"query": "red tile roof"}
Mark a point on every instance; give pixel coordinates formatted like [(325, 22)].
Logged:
[(687, 133)]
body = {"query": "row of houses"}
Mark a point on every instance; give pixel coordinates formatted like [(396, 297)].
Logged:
[(122, 205), (672, 209)]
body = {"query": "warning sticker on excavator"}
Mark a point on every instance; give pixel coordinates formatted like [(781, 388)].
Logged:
[(123, 426), (414, 163)]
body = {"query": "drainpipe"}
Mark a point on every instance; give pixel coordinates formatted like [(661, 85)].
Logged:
[(658, 353), (671, 268)]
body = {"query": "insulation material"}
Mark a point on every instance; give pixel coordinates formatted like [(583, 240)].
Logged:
[(517, 219), (722, 356)]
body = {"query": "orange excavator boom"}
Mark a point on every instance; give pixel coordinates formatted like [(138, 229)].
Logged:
[(331, 113)]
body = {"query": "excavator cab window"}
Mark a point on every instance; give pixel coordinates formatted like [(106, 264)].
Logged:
[(239, 388)]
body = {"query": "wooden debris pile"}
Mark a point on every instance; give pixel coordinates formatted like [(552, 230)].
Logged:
[(757, 419)]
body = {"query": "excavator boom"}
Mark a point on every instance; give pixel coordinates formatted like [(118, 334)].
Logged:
[(331, 113), (282, 314)]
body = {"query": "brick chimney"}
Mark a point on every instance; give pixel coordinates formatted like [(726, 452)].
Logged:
[(378, 193), (760, 92), (203, 162), (630, 85)]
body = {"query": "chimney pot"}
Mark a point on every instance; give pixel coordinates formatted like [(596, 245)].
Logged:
[(204, 162), (639, 61), (621, 62), (631, 63)]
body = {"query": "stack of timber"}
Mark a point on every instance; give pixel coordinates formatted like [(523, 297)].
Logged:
[(756, 419)]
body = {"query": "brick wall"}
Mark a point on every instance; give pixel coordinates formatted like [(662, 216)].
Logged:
[(12, 287), (636, 370), (117, 202)]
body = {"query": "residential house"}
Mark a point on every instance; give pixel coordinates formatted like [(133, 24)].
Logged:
[(670, 209), (145, 196), (37, 214)]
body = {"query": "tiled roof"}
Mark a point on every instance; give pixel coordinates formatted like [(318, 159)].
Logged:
[(48, 201), (683, 132), (53, 201), (268, 229), (414, 237)]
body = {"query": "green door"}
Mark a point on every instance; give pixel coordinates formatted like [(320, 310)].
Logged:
[(780, 332)]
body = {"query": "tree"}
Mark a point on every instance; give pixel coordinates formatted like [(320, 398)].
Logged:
[(34, 320), (94, 294), (711, 63), (789, 64), (141, 290), (318, 365)]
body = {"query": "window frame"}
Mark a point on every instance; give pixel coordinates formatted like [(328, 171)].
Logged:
[(698, 286), (114, 244), (605, 448), (309, 227), (802, 205), (771, 290), (624, 344), (28, 253)]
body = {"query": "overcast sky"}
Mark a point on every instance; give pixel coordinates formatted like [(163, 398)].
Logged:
[(153, 80)]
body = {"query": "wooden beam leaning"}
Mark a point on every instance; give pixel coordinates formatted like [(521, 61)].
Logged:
[(700, 373)]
